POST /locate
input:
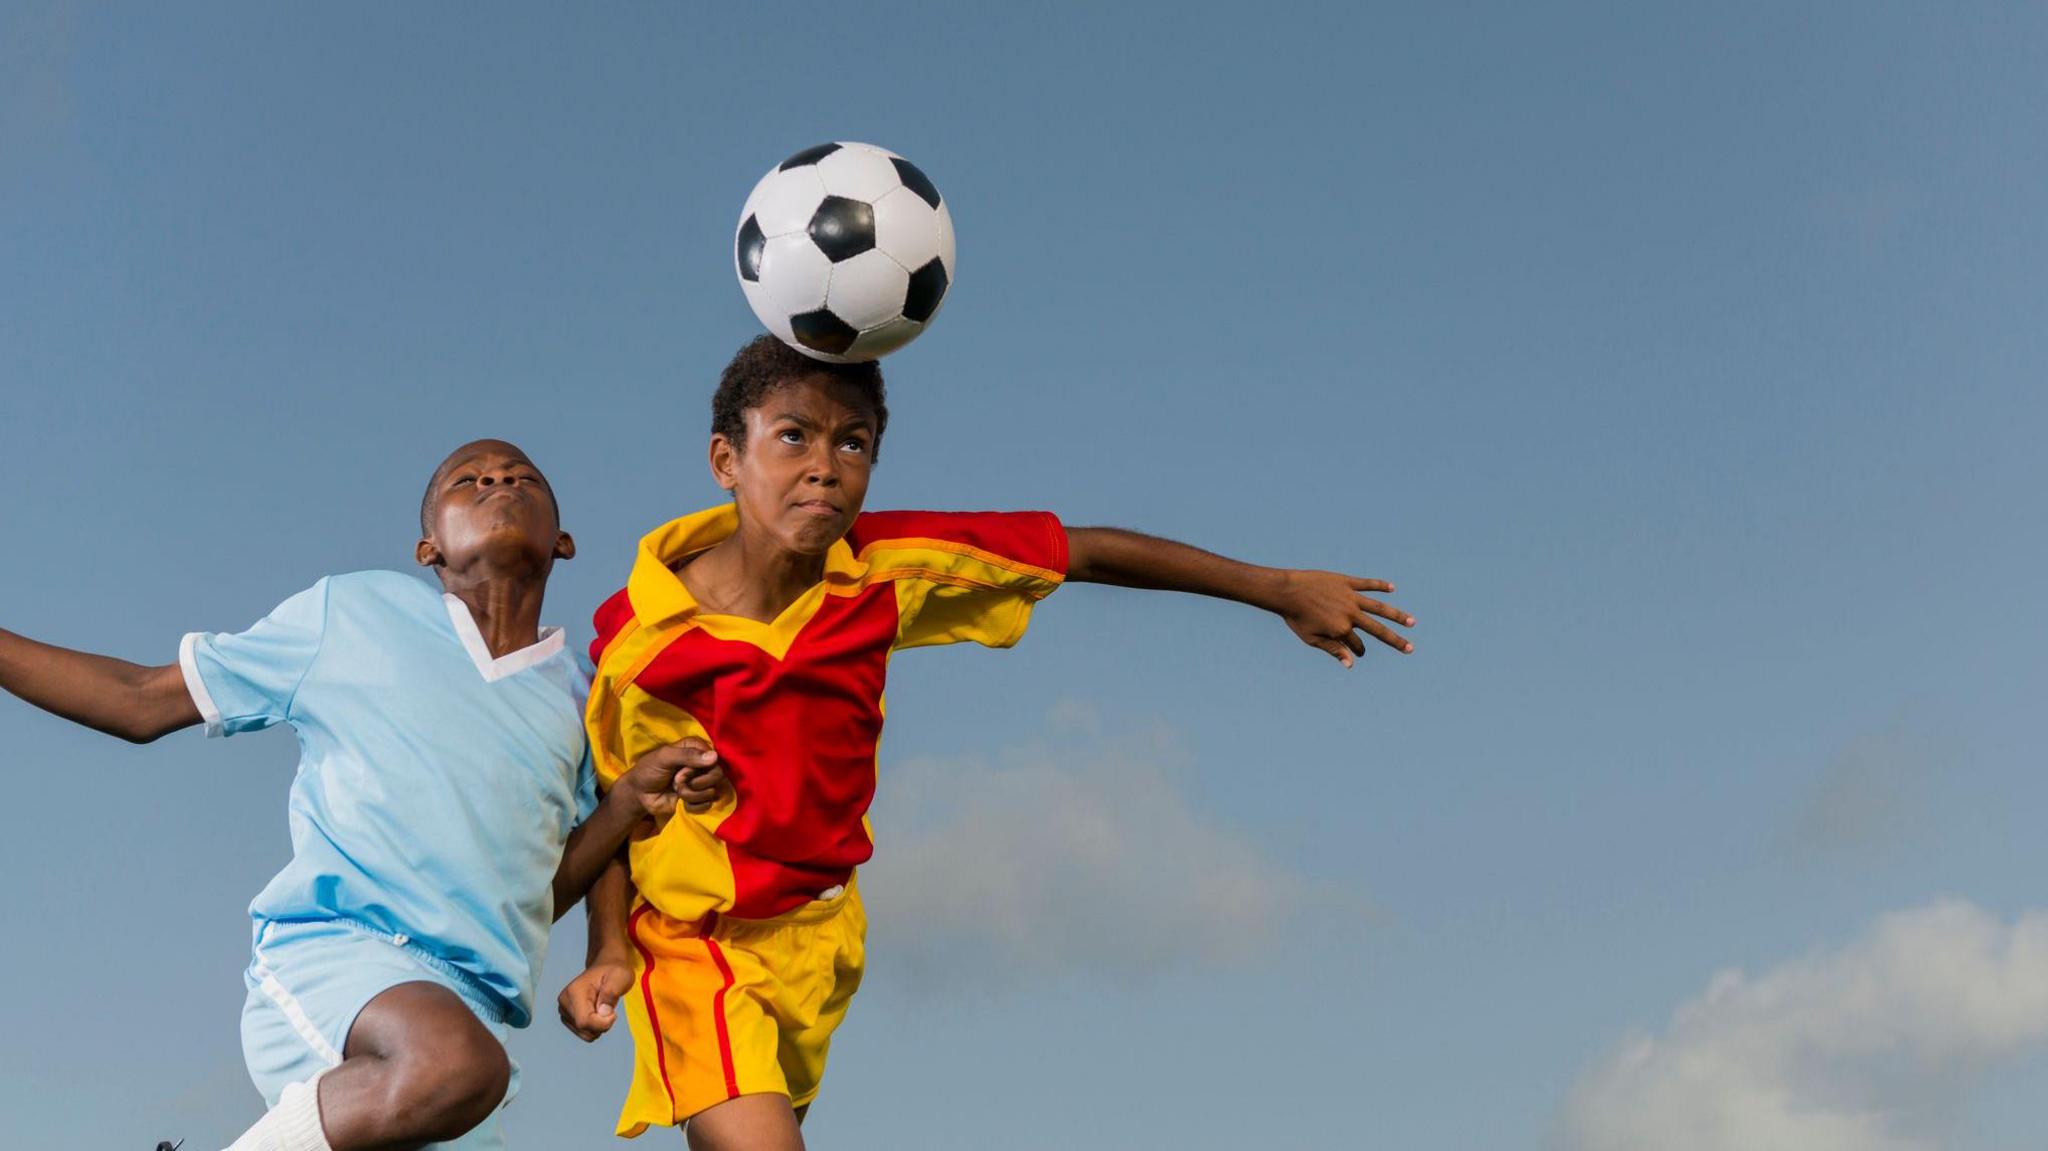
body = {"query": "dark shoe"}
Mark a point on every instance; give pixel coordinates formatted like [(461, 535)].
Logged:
[(170, 1146)]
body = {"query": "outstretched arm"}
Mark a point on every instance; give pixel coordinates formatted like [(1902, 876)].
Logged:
[(125, 699), (1326, 609)]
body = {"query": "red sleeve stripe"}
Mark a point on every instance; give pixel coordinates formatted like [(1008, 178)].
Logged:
[(1033, 539)]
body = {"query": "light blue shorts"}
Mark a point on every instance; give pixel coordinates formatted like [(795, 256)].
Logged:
[(308, 982)]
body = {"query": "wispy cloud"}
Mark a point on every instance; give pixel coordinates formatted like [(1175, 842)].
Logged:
[(1080, 851), (1872, 1047), (1872, 798)]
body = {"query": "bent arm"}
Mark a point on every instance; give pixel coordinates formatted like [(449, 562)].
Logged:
[(607, 910), (592, 849), (136, 703)]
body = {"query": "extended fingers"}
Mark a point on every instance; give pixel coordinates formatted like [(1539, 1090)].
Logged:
[(1382, 633), (1369, 622), (1385, 611)]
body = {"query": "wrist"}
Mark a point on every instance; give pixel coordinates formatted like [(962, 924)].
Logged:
[(624, 801), (1273, 589), (606, 943)]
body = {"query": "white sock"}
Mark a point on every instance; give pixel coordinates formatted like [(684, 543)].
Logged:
[(292, 1125)]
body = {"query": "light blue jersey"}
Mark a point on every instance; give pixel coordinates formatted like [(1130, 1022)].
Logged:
[(436, 785)]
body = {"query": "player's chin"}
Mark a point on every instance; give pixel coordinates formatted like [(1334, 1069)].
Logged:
[(514, 547), (815, 534), (502, 518)]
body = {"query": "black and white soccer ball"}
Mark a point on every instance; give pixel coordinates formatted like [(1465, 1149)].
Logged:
[(845, 251)]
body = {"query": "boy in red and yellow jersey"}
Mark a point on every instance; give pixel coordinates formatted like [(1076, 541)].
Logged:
[(764, 627)]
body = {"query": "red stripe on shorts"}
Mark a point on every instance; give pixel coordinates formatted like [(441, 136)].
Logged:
[(647, 997), (732, 1082)]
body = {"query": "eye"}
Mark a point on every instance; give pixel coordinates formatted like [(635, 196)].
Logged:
[(461, 480), (855, 445), (792, 436)]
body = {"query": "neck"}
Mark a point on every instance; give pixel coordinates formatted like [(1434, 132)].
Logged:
[(506, 608), (746, 575)]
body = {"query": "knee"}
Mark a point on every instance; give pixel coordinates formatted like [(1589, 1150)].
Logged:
[(446, 1085)]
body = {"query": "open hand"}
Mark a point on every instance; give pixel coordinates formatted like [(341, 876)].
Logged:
[(589, 1004), (1328, 610)]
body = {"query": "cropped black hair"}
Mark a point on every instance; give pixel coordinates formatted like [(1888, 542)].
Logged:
[(766, 364)]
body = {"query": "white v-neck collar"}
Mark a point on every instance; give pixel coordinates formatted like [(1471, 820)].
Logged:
[(551, 642)]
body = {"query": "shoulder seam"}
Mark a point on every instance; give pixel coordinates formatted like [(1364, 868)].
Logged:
[(617, 684), (325, 585), (926, 543)]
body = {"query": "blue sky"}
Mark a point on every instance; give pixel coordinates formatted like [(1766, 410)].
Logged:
[(1682, 364)]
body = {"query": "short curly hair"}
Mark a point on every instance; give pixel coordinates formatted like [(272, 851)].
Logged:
[(766, 364)]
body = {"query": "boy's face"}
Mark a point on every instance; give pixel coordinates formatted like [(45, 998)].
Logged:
[(492, 505), (804, 472)]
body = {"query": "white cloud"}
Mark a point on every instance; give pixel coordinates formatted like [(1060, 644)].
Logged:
[(1078, 851), (1872, 1047)]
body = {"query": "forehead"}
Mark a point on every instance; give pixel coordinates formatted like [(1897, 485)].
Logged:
[(819, 397), (483, 452)]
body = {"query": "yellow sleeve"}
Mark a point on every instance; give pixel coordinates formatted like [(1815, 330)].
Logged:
[(968, 577)]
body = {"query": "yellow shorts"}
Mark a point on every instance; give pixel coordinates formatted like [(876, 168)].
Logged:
[(745, 1008)]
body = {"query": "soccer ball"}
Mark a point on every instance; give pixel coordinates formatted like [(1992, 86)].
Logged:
[(845, 251)]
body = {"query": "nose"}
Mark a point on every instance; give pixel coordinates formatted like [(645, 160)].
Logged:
[(493, 477), (822, 468)]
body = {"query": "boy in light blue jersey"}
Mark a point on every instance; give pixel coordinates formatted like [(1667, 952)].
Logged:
[(444, 812)]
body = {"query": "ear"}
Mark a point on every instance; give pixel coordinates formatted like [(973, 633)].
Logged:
[(427, 554), (565, 546), (725, 461)]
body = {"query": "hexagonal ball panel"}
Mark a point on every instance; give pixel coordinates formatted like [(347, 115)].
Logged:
[(867, 289), (946, 240), (907, 228), (784, 202), (795, 273), (772, 317), (843, 228), (858, 172)]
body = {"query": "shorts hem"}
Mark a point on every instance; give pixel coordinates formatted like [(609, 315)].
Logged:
[(480, 1000), (637, 1127)]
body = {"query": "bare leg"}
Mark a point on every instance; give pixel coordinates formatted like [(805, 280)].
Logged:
[(748, 1123), (419, 1068)]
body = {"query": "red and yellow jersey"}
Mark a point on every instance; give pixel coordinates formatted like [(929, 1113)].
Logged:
[(794, 706)]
